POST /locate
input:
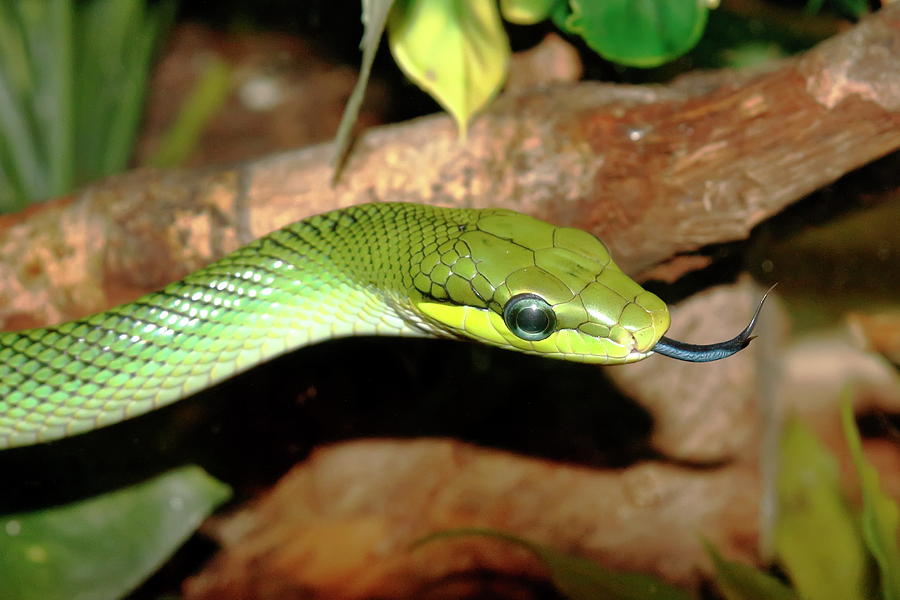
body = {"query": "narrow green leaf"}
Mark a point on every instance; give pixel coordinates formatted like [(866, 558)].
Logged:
[(527, 12), (114, 45), (738, 581), (47, 29), (816, 537), (375, 14), (456, 50), (638, 33), (101, 548), (103, 41), (851, 8), (72, 81), (14, 62), (12, 197), (879, 511), (208, 96), (135, 71), (578, 578), (18, 142)]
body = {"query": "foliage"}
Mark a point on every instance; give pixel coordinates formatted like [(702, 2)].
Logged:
[(474, 51), (374, 16), (738, 581), (879, 513), (643, 33), (206, 98), (72, 81), (852, 8), (579, 578), (458, 51), (826, 549), (103, 547), (817, 539)]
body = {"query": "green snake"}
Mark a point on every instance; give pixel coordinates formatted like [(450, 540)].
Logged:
[(491, 275)]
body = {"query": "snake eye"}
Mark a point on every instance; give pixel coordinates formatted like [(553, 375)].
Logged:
[(529, 317)]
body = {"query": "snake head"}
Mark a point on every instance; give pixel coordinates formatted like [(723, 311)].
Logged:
[(512, 281)]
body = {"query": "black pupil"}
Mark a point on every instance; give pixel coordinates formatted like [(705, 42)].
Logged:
[(532, 319), (529, 317)]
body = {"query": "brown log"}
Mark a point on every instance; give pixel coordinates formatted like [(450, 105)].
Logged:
[(653, 170), (341, 525)]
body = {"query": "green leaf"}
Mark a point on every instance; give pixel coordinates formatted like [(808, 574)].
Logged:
[(751, 54), (638, 33), (560, 15), (72, 82), (100, 52), (47, 32), (12, 197), (375, 14), (813, 6), (851, 8), (206, 98), (816, 537), (579, 578), (23, 98), (528, 12), (456, 50), (103, 547), (738, 581), (114, 44), (139, 42), (879, 511), (854, 8)]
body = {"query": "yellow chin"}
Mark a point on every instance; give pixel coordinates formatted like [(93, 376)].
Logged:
[(569, 344)]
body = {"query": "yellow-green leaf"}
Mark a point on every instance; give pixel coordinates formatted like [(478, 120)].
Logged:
[(374, 16), (738, 581), (456, 50), (101, 548), (816, 538), (527, 12), (208, 95), (879, 512)]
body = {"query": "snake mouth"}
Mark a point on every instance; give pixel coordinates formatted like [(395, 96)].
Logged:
[(710, 352), (638, 350), (637, 355)]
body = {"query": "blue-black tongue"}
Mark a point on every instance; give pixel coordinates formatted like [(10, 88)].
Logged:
[(710, 352)]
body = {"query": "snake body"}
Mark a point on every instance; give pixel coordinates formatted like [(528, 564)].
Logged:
[(491, 275)]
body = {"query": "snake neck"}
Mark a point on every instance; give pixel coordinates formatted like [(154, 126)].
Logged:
[(351, 272), (373, 262)]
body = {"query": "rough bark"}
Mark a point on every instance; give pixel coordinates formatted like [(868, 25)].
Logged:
[(342, 525), (653, 170)]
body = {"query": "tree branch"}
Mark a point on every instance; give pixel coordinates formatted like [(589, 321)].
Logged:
[(653, 170)]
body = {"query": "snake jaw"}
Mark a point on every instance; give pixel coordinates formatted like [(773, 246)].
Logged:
[(647, 319)]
